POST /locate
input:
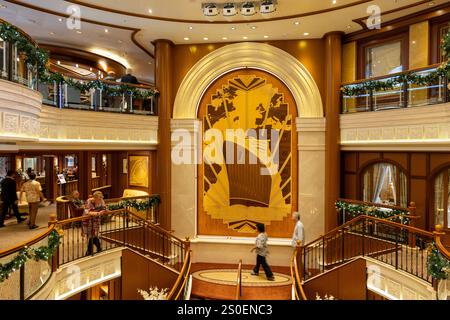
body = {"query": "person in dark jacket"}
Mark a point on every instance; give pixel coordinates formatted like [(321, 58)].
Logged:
[(129, 78), (9, 198)]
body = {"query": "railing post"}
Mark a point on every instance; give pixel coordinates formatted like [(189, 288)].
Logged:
[(363, 237), (412, 213), (371, 102), (405, 94), (396, 250), (342, 244), (323, 254), (22, 282), (53, 220), (298, 256)]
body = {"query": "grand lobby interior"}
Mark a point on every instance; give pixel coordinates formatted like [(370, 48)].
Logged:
[(155, 139)]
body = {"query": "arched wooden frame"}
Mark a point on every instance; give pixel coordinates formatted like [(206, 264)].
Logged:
[(431, 181), (371, 163)]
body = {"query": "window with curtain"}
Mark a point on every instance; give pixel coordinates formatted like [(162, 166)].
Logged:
[(442, 199), (384, 59), (385, 183)]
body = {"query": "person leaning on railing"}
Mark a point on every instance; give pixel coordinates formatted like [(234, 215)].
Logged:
[(95, 208)]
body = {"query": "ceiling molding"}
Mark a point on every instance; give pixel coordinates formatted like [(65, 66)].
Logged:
[(399, 23), (55, 13), (150, 17), (361, 22)]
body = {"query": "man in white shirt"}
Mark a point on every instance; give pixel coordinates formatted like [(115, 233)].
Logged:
[(299, 231), (33, 191)]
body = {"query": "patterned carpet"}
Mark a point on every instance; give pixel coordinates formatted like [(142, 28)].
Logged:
[(229, 277)]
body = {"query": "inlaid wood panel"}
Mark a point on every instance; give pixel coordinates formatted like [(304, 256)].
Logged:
[(234, 197)]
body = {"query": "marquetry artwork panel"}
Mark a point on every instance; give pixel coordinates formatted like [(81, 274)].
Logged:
[(234, 197)]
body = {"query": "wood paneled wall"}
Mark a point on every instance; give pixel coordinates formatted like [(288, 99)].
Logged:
[(419, 167), (139, 272), (348, 282)]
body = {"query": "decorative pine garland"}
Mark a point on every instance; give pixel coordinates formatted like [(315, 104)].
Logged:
[(438, 266), (37, 59), (139, 205), (355, 210), (410, 77), (41, 253)]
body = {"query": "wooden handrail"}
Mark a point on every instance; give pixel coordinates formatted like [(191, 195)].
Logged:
[(239, 281), (387, 76), (295, 276), (128, 198), (361, 217), (373, 204), (27, 243), (181, 277), (101, 188), (437, 239)]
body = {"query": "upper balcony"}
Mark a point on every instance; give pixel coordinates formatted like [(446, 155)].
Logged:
[(418, 87)]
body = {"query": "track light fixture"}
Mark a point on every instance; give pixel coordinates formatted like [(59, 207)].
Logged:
[(247, 8)]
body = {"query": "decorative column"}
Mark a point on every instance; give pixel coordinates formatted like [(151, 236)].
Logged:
[(333, 65), (163, 77), (184, 191)]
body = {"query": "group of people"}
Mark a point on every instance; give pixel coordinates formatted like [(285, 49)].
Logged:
[(94, 207), (261, 247), (33, 192)]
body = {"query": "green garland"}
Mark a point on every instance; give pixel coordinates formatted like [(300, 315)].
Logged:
[(34, 56), (410, 77), (355, 210), (37, 59), (139, 205), (41, 253), (438, 266)]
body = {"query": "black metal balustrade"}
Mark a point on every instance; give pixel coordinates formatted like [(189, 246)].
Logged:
[(401, 95), (403, 247)]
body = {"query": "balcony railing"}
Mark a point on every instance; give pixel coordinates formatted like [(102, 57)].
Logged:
[(14, 68), (65, 96), (419, 87)]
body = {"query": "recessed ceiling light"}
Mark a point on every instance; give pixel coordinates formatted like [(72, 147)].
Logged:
[(186, 38), (106, 30), (60, 19), (233, 28), (306, 34), (334, 1), (349, 27), (205, 38), (296, 23), (52, 33), (191, 27), (254, 27), (244, 37), (224, 38), (150, 11), (265, 37)]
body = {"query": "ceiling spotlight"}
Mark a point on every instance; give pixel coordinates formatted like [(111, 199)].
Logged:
[(267, 7), (60, 19), (106, 30), (265, 37), (205, 38), (229, 9), (296, 23), (248, 9), (150, 11), (224, 38), (306, 34), (191, 27), (186, 38), (210, 10)]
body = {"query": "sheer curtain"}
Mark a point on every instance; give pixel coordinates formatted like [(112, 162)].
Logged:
[(379, 175), (439, 200)]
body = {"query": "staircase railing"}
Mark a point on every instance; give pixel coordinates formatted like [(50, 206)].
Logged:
[(299, 293), (403, 247), (21, 275), (118, 229), (239, 282), (177, 291)]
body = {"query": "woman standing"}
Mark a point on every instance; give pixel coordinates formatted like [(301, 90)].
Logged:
[(95, 207)]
